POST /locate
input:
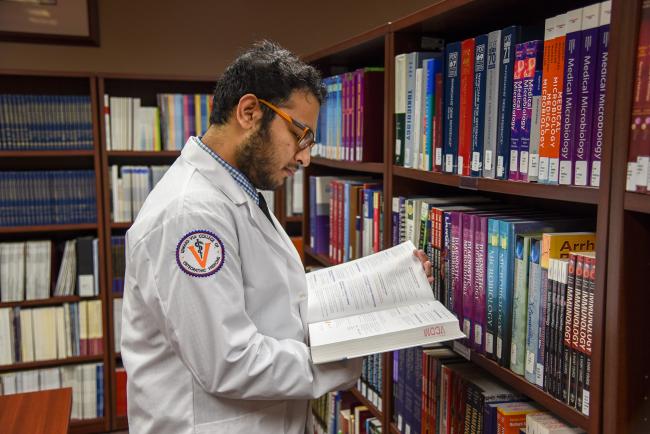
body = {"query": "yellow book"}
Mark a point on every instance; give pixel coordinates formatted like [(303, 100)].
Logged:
[(558, 245), (171, 125), (156, 132), (197, 115)]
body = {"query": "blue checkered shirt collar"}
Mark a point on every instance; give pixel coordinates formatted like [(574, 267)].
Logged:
[(239, 177)]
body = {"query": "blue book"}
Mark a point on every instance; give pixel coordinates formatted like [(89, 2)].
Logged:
[(414, 61), (452, 104), (510, 36), (534, 302), (478, 108), (430, 68), (491, 278), (99, 369)]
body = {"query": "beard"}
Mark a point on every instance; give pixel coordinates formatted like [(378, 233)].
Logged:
[(255, 159)]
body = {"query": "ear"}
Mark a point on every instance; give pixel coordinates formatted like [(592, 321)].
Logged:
[(248, 111)]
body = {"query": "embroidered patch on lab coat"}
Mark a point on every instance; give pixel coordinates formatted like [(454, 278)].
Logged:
[(200, 253)]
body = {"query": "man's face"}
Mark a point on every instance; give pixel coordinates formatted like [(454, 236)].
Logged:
[(268, 156)]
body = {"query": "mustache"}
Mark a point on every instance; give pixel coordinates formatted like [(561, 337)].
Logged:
[(294, 167)]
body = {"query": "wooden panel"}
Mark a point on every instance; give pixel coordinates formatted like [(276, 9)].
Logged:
[(45, 412), (637, 202), (52, 301), (375, 412), (50, 363), (348, 165), (47, 228)]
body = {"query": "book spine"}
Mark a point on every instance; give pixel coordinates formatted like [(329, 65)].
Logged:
[(533, 52), (449, 293), (519, 305), (400, 107), (601, 88), (573, 48), (478, 107), (586, 377), (466, 99), (510, 37), (552, 84), (575, 334), (491, 296), (438, 120), (532, 321), (411, 68), (427, 116), (588, 56), (452, 90), (505, 292), (568, 323), (541, 343), (561, 389), (516, 115), (480, 263), (548, 325), (467, 274), (492, 92), (456, 261)]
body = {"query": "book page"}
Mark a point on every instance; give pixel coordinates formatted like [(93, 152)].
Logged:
[(390, 278), (430, 313)]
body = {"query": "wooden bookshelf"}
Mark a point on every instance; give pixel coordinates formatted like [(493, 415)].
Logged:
[(61, 83), (349, 165), (143, 154), (121, 225), (121, 423), (23, 366), (293, 219), (637, 202), (619, 380), (364, 401), (52, 301)]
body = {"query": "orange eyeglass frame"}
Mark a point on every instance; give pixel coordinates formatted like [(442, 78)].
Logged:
[(306, 139)]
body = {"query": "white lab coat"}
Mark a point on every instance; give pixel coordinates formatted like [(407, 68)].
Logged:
[(224, 352)]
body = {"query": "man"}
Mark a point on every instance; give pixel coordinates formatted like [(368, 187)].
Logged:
[(214, 328)]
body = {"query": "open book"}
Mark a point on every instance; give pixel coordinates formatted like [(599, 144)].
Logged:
[(378, 303)]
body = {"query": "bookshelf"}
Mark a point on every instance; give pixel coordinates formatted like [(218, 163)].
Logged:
[(68, 84), (620, 354)]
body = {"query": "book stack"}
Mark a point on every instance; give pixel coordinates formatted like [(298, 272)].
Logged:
[(370, 382), (133, 127), (130, 186), (507, 107), (25, 269), (86, 381), (45, 122), (346, 218), (49, 333), (437, 391), (47, 197), (350, 123)]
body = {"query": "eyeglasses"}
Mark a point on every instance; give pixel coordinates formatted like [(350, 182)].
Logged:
[(306, 138)]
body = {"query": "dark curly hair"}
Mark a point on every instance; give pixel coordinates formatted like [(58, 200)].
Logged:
[(268, 71)]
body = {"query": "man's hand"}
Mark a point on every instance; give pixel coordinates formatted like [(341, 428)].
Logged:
[(426, 264)]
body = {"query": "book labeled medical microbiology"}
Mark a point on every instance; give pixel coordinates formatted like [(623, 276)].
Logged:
[(382, 302)]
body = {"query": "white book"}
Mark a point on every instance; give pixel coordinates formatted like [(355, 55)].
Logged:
[(28, 381), (49, 378), (107, 121), (38, 263), (65, 282), (45, 333), (117, 323), (126, 176), (70, 376), (68, 330), (394, 307), (89, 392), (136, 125), (400, 97), (59, 318), (9, 386), (96, 266), (297, 197), (416, 133), (26, 336), (7, 354)]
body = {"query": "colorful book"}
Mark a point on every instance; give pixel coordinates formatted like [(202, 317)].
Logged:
[(601, 88), (452, 98), (466, 99), (478, 108)]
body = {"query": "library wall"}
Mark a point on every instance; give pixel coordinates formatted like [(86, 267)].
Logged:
[(201, 37)]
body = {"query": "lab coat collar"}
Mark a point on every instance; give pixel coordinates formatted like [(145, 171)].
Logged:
[(222, 180)]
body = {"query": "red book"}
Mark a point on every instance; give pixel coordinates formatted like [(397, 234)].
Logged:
[(466, 106), (120, 392), (376, 221)]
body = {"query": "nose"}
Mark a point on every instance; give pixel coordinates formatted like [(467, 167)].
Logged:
[(303, 157)]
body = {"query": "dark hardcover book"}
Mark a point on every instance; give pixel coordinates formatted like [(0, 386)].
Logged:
[(517, 106), (85, 267), (575, 333), (568, 322), (452, 98), (478, 107), (510, 36), (586, 381), (529, 125)]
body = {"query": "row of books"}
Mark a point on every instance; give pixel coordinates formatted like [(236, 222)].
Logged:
[(26, 269), (293, 193), (133, 127), (45, 122), (130, 186), (341, 413), (436, 391), (345, 217), (49, 333), (638, 160), (47, 197), (492, 270), (506, 107), (370, 383), (118, 261), (350, 123), (86, 381)]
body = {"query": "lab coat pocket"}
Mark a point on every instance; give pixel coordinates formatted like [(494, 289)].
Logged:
[(269, 420)]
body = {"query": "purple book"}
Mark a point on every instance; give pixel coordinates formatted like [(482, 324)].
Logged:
[(587, 96), (358, 114), (532, 62), (467, 274), (515, 119), (572, 57), (455, 262), (601, 87), (480, 264)]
